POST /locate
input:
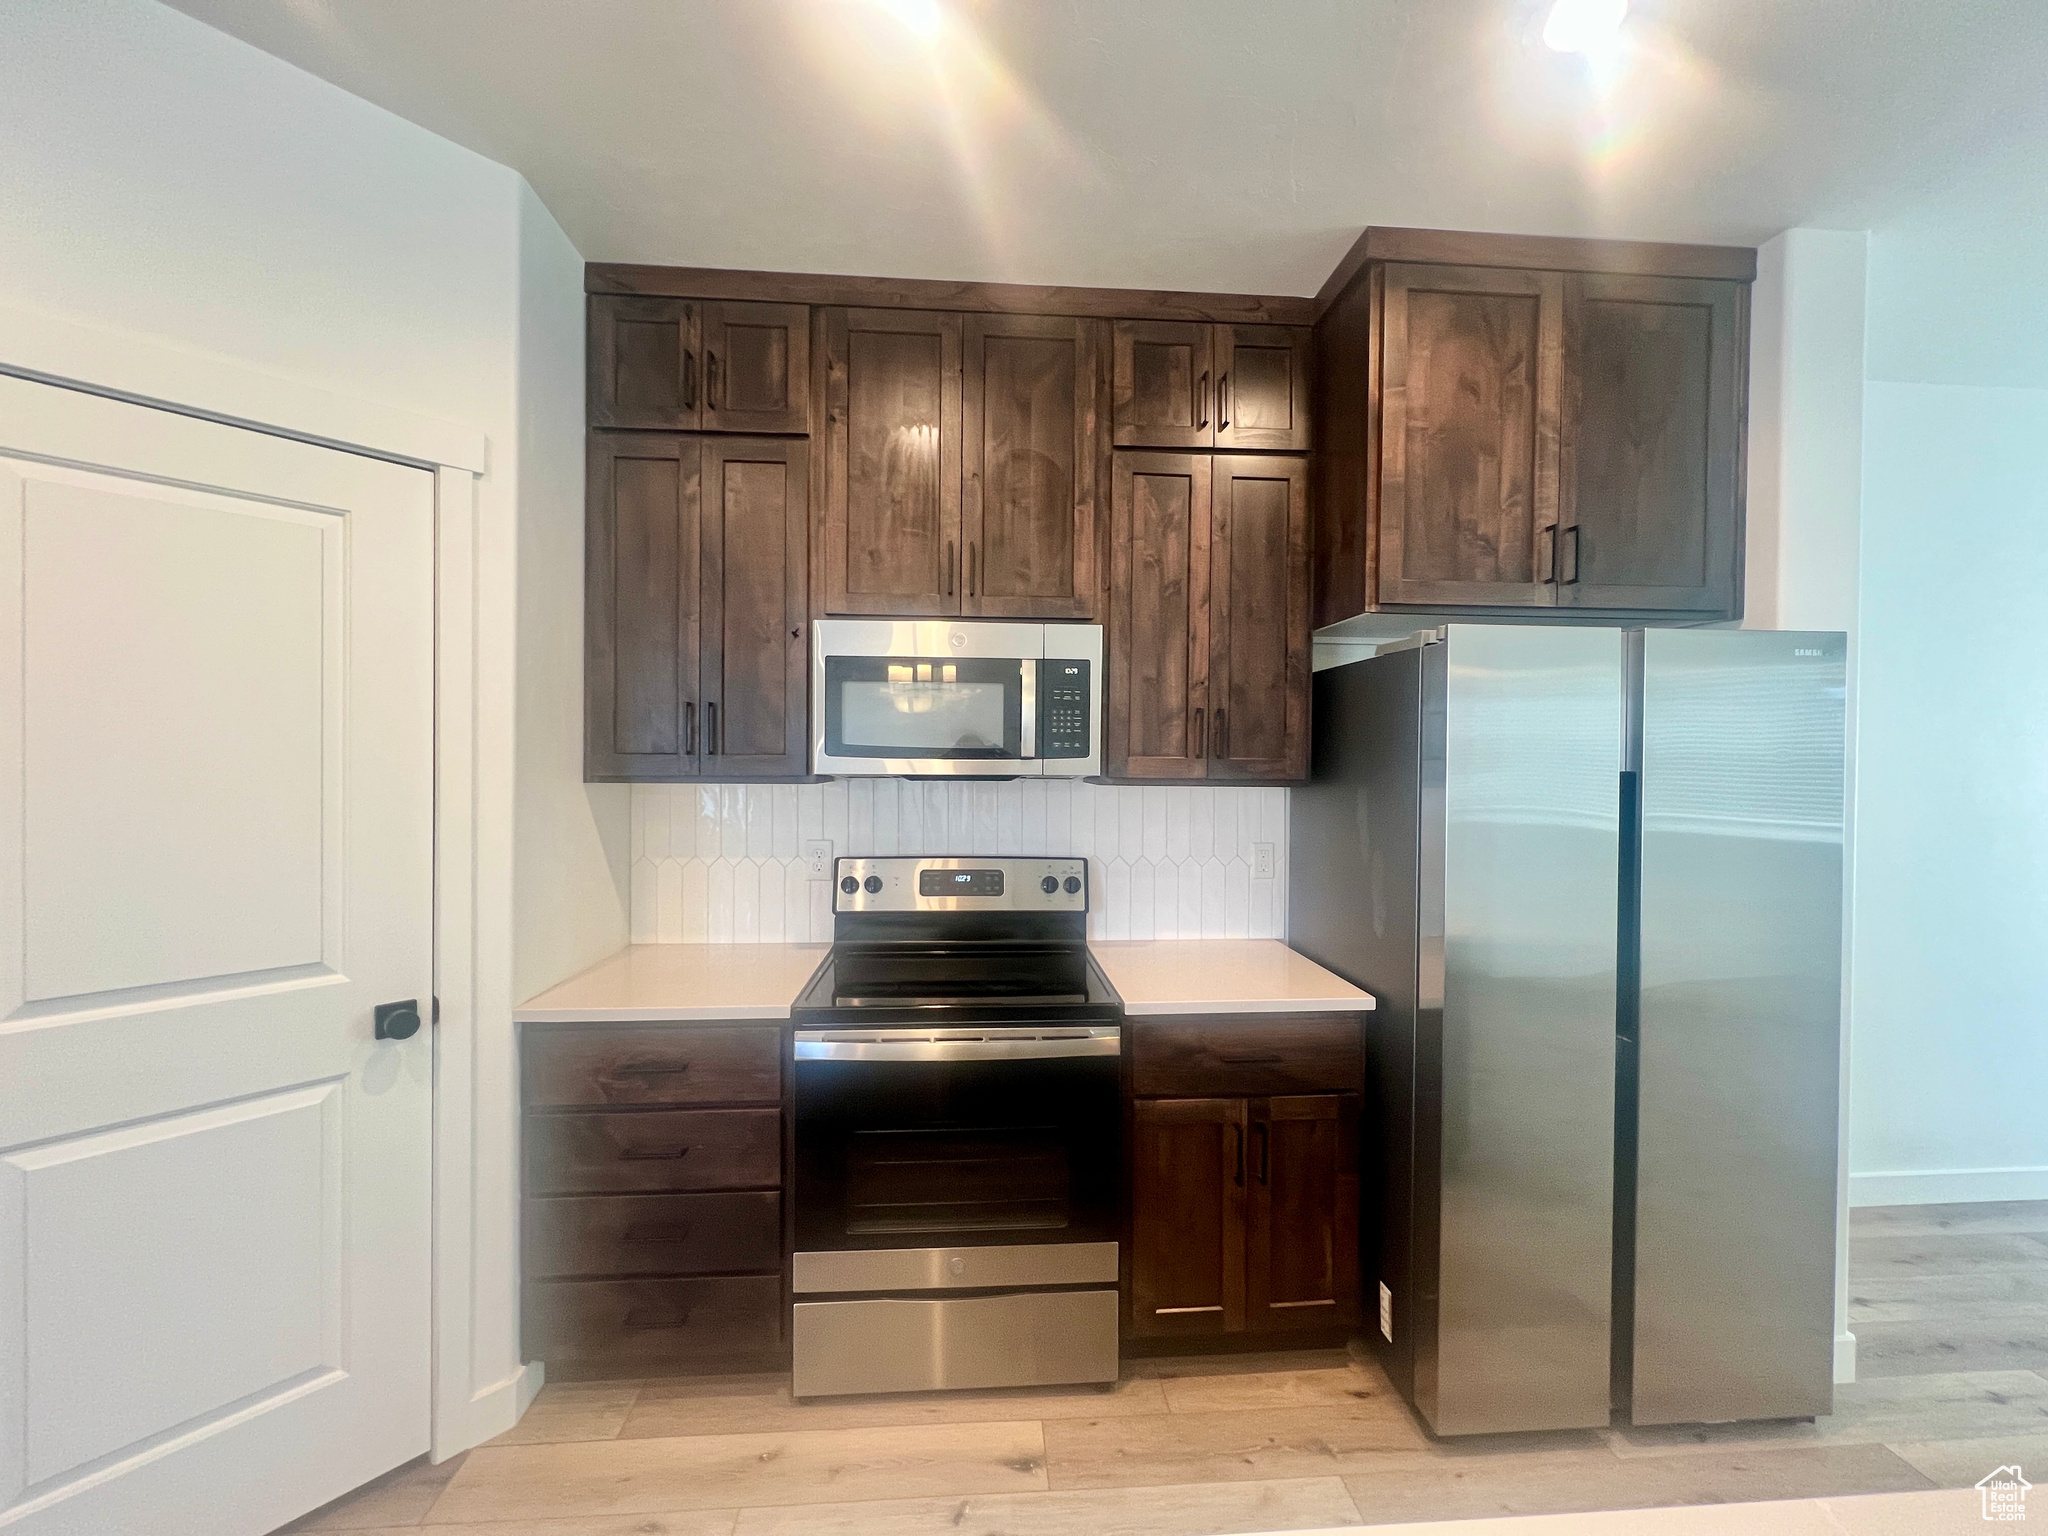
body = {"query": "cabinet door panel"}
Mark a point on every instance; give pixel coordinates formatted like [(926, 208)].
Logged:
[(1165, 384), (1187, 1216), (1157, 719), (757, 367), (1302, 1238), (1650, 460), (1262, 387), (1028, 497), (643, 362), (755, 697), (1258, 614), (1470, 401), (640, 620), (892, 478)]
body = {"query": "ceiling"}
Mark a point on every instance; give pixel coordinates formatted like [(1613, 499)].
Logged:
[(1221, 145)]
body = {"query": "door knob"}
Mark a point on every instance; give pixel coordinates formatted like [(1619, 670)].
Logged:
[(398, 1021)]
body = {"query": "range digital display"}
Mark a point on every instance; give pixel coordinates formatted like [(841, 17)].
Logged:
[(959, 882)]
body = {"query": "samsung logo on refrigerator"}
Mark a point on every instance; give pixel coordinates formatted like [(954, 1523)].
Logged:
[(1805, 651)]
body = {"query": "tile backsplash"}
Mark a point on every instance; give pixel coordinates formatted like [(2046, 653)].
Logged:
[(724, 863)]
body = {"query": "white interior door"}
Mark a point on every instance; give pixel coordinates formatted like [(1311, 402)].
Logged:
[(216, 857)]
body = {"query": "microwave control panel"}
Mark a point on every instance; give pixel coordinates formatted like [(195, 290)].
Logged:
[(1063, 693)]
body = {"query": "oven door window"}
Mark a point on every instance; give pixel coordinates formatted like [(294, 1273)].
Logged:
[(913, 1154), (924, 707)]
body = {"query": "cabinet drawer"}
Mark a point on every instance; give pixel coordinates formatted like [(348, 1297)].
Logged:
[(1197, 1057), (594, 1329), (658, 1064), (605, 1152), (652, 1234)]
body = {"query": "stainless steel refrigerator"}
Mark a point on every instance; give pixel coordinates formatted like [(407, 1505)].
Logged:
[(1594, 878)]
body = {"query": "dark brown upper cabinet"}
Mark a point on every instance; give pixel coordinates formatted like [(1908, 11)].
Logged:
[(1650, 504), (1183, 384), (1032, 400), (1208, 620), (1469, 413), (684, 365), (891, 526), (695, 662), (1503, 435)]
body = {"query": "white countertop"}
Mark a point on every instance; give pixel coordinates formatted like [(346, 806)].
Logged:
[(1156, 976), (681, 983), (664, 983)]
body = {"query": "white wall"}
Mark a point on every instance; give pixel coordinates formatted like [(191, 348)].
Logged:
[(161, 180)]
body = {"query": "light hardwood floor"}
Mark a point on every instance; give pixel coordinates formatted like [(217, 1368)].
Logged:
[(1949, 1304)]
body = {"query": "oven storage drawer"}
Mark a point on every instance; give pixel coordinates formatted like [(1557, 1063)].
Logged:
[(1022, 1339), (1247, 1055), (623, 1064), (615, 1151), (587, 1235), (600, 1329)]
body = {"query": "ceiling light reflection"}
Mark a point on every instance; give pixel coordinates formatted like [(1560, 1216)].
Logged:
[(1585, 26)]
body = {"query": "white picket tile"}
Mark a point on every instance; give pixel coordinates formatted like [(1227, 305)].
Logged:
[(810, 814), (768, 914), (1189, 919), (784, 843), (987, 836), (643, 929), (796, 902), (1030, 797), (759, 800), (1009, 819), (1201, 821), (910, 819), (1108, 802), (1153, 802), (668, 902), (1145, 901), (1215, 901), (1177, 822), (821, 911), (1118, 921), (1237, 899), (1223, 823), (1264, 919), (885, 818), (1060, 841), (642, 795), (696, 901), (833, 816), (702, 805), (1130, 823), (860, 817), (718, 902)]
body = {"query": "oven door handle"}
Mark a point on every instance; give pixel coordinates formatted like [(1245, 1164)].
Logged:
[(850, 1045)]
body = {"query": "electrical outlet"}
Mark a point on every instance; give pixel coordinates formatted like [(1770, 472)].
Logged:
[(1262, 861), (819, 856)]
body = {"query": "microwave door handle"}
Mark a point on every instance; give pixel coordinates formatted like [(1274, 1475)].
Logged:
[(1028, 704)]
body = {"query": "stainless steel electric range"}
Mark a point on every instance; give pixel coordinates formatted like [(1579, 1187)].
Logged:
[(958, 1131)]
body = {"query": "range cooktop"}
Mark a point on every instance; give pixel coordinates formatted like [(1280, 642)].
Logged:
[(996, 941)]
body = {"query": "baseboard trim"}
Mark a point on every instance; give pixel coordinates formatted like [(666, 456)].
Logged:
[(1845, 1358), (1948, 1186), (492, 1411)]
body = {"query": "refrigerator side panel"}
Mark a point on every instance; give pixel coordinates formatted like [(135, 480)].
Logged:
[(1740, 1025), (1531, 828), (1351, 906)]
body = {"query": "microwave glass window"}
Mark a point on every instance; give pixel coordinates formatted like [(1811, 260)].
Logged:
[(912, 713)]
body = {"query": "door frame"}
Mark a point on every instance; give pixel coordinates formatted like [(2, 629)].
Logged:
[(472, 946)]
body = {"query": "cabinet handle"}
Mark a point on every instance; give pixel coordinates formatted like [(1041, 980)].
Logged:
[(946, 574), (1572, 580), (710, 380), (1223, 401), (648, 1319), (657, 1232), (690, 730), (1546, 570), (1265, 1154), (711, 730), (1222, 734), (653, 1154), (1202, 401), (1201, 736), (1266, 1060), (689, 381), (1238, 1132), (650, 1068)]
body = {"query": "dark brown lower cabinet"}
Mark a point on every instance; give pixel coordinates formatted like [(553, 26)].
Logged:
[(654, 1226), (1244, 1216)]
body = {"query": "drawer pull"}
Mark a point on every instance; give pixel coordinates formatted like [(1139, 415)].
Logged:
[(653, 1154), (1266, 1060), (657, 1232), (652, 1319), (650, 1068)]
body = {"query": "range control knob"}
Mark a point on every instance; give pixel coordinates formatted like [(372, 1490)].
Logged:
[(1073, 884), (1049, 884), (873, 883), (849, 885)]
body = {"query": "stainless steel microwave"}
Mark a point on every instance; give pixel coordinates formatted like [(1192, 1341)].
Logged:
[(956, 698)]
